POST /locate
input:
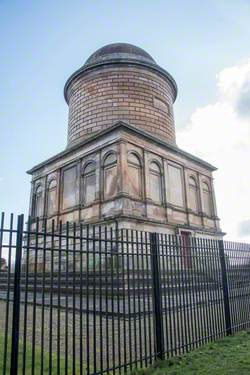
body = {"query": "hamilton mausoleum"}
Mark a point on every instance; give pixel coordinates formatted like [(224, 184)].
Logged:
[(122, 164)]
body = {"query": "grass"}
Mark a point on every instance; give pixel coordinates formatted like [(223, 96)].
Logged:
[(230, 355), (37, 362)]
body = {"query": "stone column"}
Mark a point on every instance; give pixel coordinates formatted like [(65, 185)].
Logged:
[(123, 169)]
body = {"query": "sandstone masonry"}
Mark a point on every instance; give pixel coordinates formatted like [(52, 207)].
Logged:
[(122, 165), (134, 94)]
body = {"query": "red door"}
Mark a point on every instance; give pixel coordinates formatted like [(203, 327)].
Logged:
[(185, 249)]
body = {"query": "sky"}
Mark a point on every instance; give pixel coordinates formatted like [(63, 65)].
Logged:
[(203, 45)]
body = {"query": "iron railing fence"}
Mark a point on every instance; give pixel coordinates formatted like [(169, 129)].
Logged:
[(96, 300)]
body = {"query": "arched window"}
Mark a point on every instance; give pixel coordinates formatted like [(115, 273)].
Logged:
[(89, 183), (193, 194), (38, 202), (134, 176), (207, 202), (155, 182), (110, 175), (51, 198)]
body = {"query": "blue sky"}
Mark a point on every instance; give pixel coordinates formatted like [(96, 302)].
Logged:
[(42, 43)]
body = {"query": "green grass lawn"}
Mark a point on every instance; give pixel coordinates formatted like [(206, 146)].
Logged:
[(37, 362), (225, 357)]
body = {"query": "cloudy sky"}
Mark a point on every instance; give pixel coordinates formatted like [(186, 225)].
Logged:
[(220, 132), (206, 49)]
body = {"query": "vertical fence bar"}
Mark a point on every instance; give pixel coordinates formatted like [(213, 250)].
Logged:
[(74, 302), (100, 260), (142, 255), (193, 303), (44, 260), (118, 275), (51, 295), (176, 283), (173, 259), (66, 331), (217, 298), (225, 288), (164, 259), (7, 311), (168, 290), (182, 309), (34, 313), (93, 273), (124, 304), (81, 297), (149, 293), (106, 298), (87, 304), (127, 251), (112, 298), (1, 233), (59, 257), (202, 281), (134, 297), (209, 289), (25, 313), (16, 297), (154, 242), (138, 276)]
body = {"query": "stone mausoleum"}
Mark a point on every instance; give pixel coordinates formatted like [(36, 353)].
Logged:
[(122, 163)]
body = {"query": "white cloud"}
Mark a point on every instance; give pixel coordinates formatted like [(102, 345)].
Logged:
[(244, 228), (220, 134)]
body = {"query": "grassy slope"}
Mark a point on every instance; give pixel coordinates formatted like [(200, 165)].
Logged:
[(225, 357)]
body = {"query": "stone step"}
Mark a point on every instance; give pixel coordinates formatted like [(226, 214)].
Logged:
[(109, 276), (104, 288)]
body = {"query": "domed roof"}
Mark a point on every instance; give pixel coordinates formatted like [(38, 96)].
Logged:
[(119, 51)]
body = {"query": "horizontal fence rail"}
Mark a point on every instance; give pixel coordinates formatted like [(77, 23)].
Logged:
[(78, 299)]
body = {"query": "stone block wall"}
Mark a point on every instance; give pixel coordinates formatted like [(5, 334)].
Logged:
[(134, 94)]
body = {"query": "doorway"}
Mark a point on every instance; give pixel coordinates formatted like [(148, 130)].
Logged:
[(186, 249)]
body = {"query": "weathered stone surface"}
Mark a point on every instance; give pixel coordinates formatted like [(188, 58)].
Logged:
[(130, 172), (133, 94)]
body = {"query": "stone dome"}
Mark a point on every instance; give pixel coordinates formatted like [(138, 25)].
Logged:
[(119, 51)]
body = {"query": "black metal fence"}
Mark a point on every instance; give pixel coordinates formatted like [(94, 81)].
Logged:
[(95, 300)]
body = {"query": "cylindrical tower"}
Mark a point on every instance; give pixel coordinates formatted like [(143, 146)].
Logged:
[(120, 82)]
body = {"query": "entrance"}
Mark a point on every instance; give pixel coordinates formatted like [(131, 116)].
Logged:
[(186, 249)]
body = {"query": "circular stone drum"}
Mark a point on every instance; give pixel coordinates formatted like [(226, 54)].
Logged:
[(120, 82)]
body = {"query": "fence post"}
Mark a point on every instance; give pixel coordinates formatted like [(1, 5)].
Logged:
[(157, 301), (225, 288), (16, 297)]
